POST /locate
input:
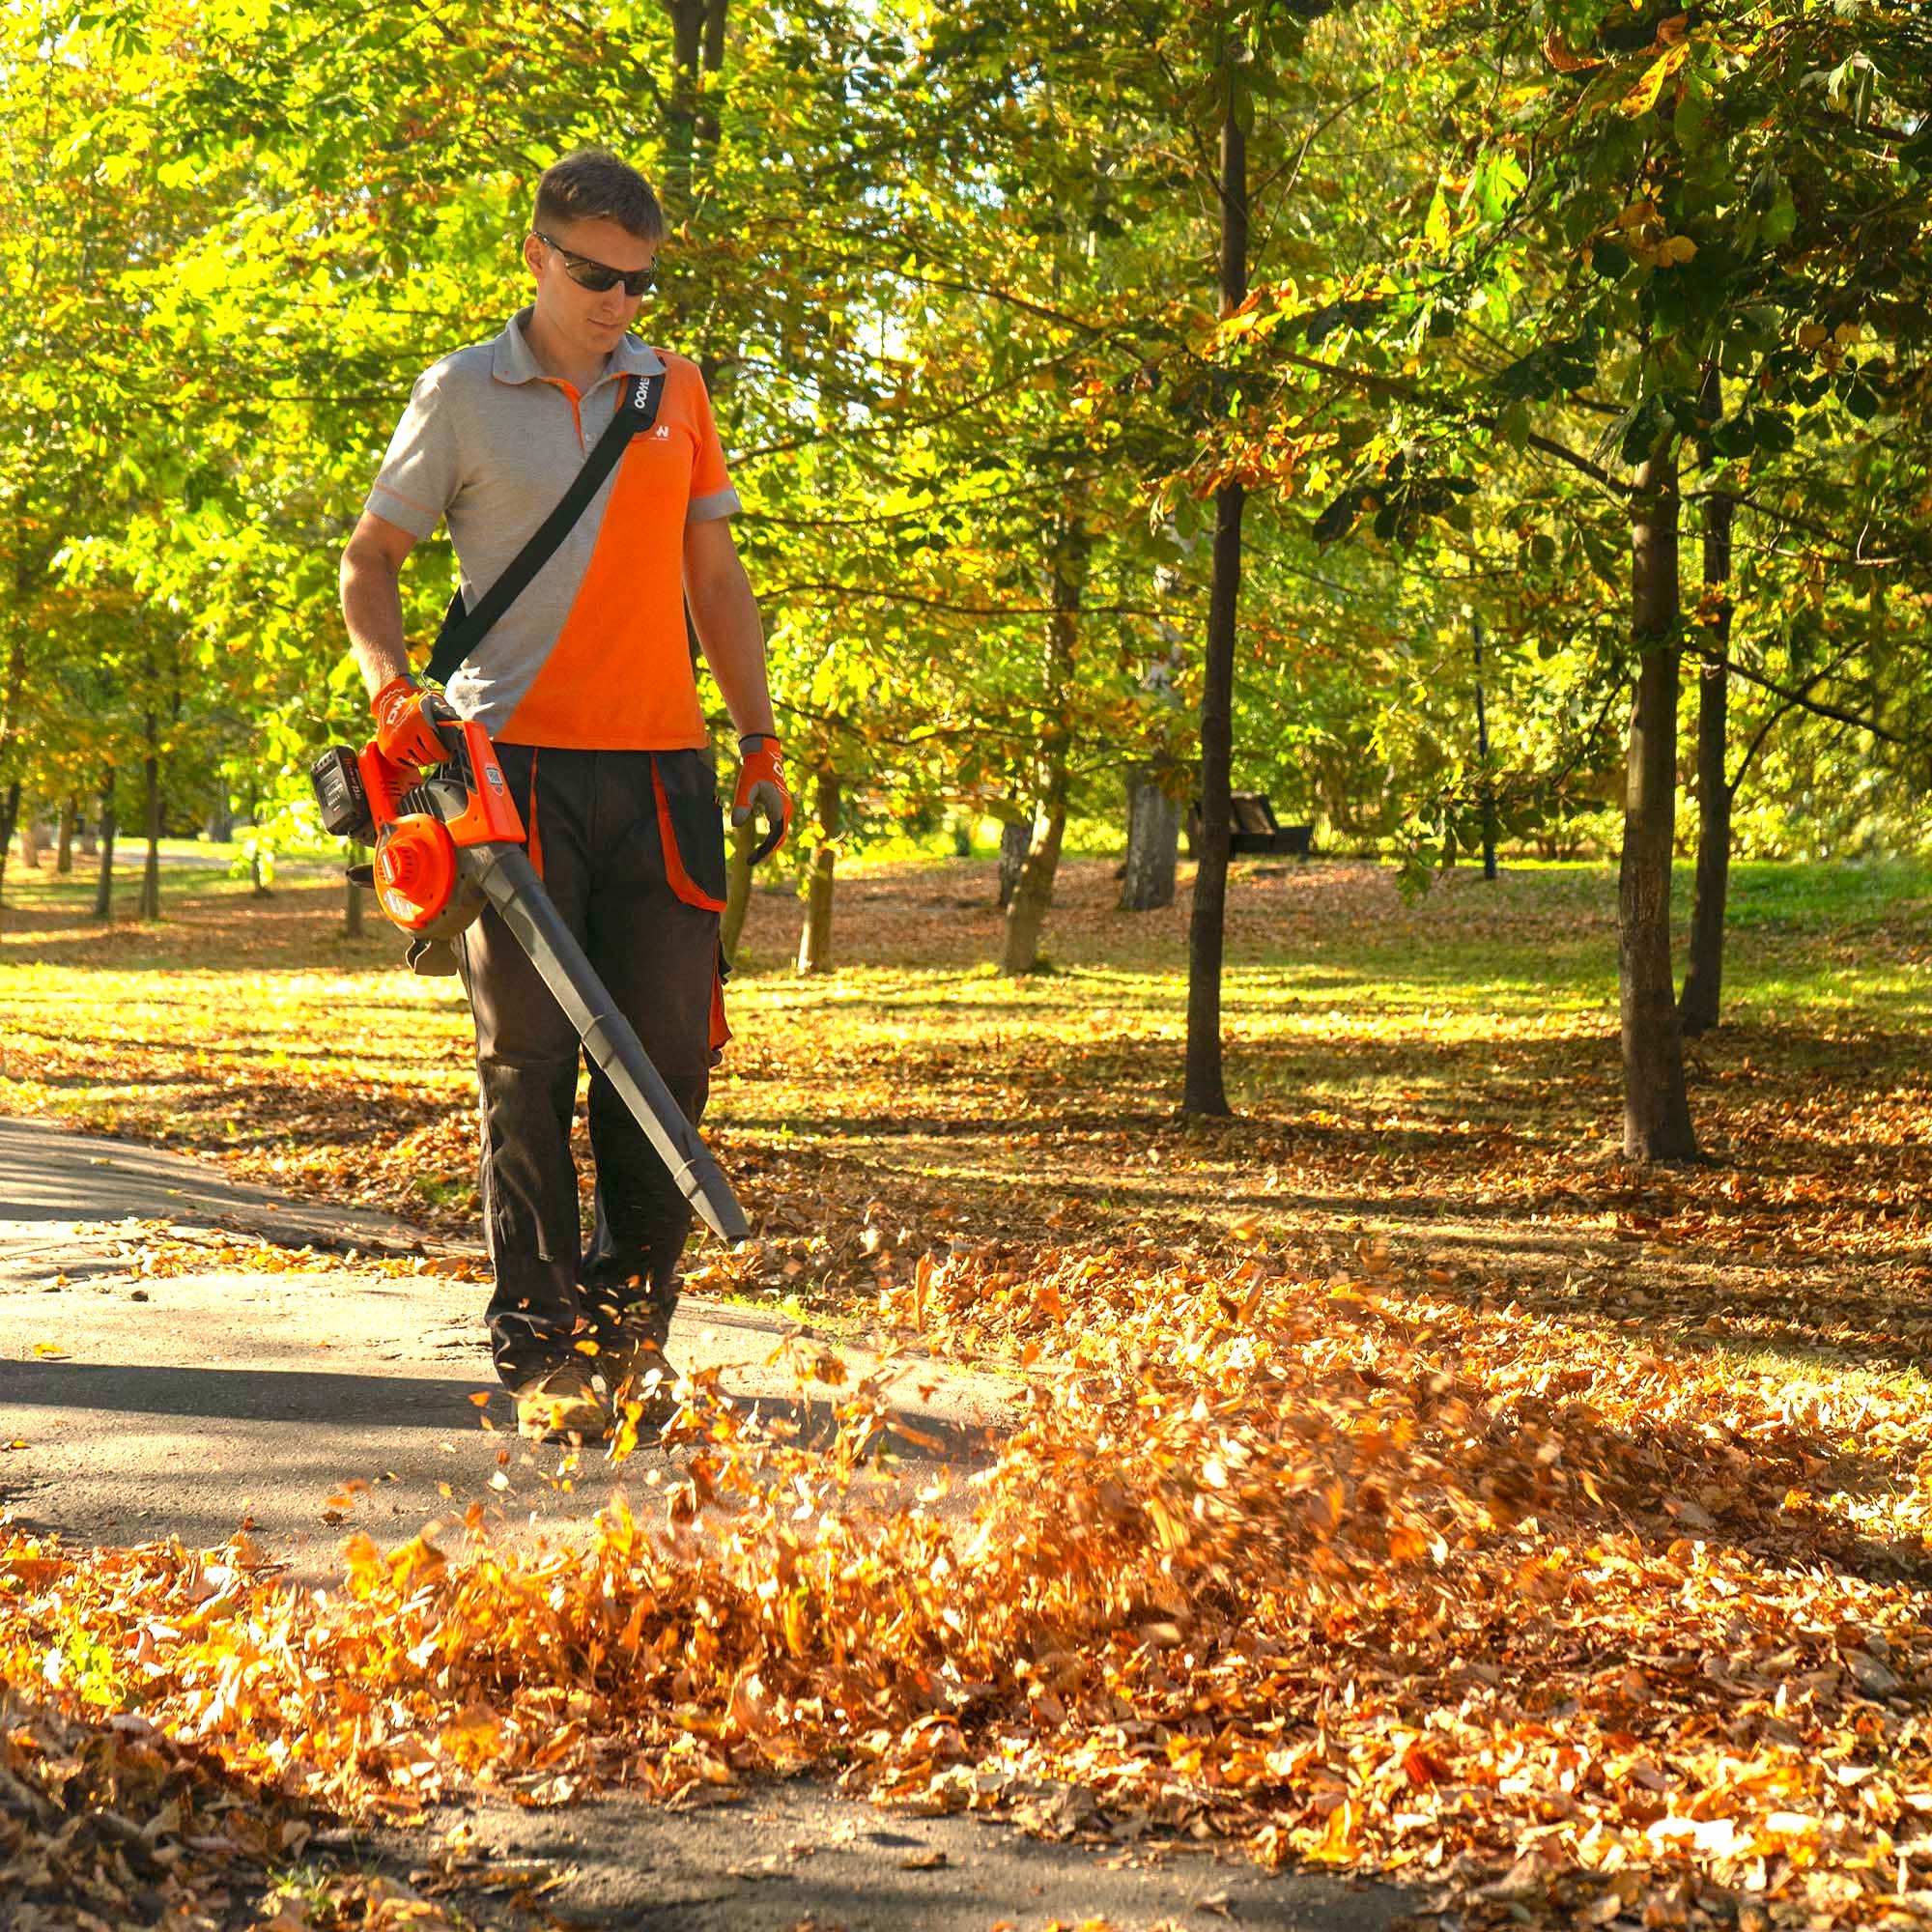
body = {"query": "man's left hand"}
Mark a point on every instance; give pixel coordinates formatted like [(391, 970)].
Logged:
[(762, 792)]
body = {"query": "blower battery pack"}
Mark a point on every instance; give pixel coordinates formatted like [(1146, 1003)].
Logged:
[(337, 782)]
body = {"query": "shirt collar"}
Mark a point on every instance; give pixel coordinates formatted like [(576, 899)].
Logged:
[(511, 360)]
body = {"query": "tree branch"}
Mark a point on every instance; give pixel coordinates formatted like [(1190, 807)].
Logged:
[(949, 608), (1763, 732), (1793, 698), (1394, 385), (1594, 471)]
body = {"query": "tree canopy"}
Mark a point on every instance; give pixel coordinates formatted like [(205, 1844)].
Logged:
[(1527, 297)]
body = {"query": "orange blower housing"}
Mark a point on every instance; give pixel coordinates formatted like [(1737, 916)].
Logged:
[(417, 823), (447, 845), (418, 829), (416, 874)]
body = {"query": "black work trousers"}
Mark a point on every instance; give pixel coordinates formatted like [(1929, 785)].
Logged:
[(600, 823)]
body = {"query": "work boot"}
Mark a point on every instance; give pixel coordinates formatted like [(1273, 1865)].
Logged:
[(649, 1378), (559, 1405), (631, 1360)]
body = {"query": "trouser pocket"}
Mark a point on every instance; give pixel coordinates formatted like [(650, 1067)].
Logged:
[(692, 830)]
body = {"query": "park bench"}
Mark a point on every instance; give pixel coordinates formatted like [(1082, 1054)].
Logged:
[(1252, 828)]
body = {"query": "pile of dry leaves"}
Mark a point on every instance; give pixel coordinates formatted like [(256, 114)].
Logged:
[(1581, 1632)]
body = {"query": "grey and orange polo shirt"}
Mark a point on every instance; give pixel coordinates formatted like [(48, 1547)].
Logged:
[(594, 655)]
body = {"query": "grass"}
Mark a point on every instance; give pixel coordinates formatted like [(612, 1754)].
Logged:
[(1445, 1073)]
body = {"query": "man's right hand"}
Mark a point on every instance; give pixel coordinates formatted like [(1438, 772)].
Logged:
[(406, 719)]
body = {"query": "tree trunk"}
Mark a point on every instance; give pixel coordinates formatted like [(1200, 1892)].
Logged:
[(69, 817), (1204, 1091), (151, 875), (258, 886), (9, 818), (1657, 1110), (737, 885), (1015, 836), (1697, 1008), (1154, 838), (103, 878), (713, 63), (1032, 890), (11, 693), (352, 892), (815, 939), (687, 47), (1483, 758)]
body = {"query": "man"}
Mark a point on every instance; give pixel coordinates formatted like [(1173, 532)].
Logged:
[(585, 685)]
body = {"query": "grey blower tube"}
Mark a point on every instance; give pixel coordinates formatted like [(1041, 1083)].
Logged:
[(512, 886)]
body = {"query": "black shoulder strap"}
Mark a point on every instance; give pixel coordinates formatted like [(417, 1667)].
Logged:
[(463, 630)]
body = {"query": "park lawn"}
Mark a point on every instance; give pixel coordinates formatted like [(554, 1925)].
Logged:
[(1409, 1484), (1420, 1073)]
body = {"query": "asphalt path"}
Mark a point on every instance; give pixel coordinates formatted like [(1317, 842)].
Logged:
[(307, 1406), (193, 1405)]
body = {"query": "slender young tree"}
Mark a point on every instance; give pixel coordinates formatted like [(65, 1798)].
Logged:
[(1204, 1089), (1656, 1109)]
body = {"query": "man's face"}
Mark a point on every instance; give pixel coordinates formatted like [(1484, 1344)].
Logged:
[(591, 320)]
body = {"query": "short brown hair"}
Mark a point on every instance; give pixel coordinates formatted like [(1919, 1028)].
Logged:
[(594, 185)]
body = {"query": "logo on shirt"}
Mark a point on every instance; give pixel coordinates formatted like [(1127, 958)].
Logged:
[(662, 433)]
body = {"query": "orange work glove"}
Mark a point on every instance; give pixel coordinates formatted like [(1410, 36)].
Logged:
[(761, 791), (406, 719)]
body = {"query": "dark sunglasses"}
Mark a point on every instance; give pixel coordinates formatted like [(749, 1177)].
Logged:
[(594, 275)]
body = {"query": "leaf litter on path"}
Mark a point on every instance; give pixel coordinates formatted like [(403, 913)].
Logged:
[(1404, 1485), (1342, 1569)]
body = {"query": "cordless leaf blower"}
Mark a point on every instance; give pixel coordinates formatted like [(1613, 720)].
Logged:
[(449, 843)]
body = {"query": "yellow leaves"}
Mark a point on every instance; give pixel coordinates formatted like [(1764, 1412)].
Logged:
[(1235, 1562), (1814, 335), (1169, 1523), (1639, 228), (1643, 97), (797, 1622), (1250, 320), (51, 1352), (1324, 1507), (474, 1733), (1336, 1842), (363, 1561)]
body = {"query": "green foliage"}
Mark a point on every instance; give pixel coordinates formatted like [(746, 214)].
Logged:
[(948, 272)]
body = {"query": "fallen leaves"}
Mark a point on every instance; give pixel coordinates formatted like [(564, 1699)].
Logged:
[(1395, 1487), (1342, 1593)]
